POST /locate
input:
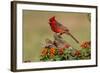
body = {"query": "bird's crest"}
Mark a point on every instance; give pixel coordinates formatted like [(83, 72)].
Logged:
[(52, 19)]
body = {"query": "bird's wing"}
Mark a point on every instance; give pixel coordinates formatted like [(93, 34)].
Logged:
[(61, 26)]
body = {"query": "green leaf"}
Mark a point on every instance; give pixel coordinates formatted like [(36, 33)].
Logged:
[(57, 58)]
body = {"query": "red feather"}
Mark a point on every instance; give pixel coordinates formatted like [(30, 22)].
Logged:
[(54, 25)]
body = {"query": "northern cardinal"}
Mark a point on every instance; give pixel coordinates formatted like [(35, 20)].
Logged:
[(59, 28)]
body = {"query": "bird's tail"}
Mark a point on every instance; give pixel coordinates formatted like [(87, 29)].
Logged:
[(73, 37)]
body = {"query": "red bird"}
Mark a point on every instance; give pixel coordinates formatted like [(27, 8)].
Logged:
[(59, 28)]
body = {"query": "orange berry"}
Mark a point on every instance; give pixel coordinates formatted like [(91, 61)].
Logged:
[(44, 52), (61, 51), (52, 52), (86, 44), (77, 53)]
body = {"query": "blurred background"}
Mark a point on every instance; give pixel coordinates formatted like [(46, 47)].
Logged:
[(36, 29)]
